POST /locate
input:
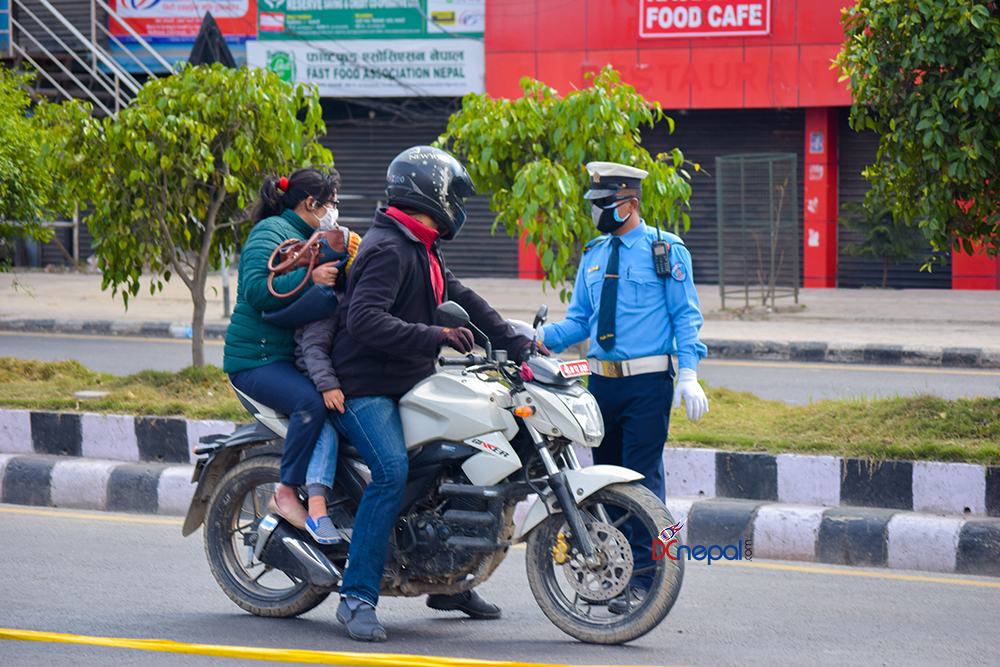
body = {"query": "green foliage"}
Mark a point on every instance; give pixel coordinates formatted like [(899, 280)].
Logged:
[(886, 238), (529, 154), (23, 182), (172, 175), (925, 75)]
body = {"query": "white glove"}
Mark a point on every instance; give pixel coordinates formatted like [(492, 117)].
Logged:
[(692, 393)]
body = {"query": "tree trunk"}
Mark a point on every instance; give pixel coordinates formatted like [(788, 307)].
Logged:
[(198, 316)]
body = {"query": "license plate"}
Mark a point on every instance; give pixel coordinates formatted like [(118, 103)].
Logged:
[(572, 369)]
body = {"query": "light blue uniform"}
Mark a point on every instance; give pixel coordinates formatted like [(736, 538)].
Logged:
[(655, 315)]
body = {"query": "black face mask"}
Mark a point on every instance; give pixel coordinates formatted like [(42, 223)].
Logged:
[(606, 217)]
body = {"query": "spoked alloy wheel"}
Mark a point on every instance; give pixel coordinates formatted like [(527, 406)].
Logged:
[(236, 506), (575, 597)]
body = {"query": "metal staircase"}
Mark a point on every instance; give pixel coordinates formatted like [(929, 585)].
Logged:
[(70, 55)]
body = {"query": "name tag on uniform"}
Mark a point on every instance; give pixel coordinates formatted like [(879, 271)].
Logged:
[(592, 269)]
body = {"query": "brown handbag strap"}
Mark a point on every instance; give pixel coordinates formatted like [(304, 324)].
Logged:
[(305, 279), (309, 247)]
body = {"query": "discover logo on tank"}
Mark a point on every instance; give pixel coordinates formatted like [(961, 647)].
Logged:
[(707, 18), (741, 550)]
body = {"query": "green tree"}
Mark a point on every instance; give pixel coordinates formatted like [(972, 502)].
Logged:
[(529, 154), (925, 75), (886, 238), (23, 182), (172, 175)]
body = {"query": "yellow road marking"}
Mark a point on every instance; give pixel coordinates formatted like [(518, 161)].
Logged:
[(853, 367), (86, 515), (136, 337), (875, 575), (271, 654)]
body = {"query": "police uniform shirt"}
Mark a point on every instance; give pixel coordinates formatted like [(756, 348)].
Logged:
[(655, 315)]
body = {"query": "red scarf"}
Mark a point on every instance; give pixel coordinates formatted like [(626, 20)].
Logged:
[(427, 236)]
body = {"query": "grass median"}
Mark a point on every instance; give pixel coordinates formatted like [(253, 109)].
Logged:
[(911, 428)]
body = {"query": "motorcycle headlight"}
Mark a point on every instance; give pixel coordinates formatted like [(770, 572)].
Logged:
[(588, 414)]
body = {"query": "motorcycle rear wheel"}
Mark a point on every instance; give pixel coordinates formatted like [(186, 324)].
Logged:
[(591, 621), (237, 504)]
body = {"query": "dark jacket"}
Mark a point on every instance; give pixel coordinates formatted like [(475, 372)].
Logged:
[(387, 341), (250, 341), (313, 344)]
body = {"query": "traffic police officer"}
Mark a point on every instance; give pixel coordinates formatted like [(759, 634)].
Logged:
[(636, 313)]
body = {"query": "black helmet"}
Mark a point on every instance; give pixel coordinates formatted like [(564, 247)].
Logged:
[(433, 182)]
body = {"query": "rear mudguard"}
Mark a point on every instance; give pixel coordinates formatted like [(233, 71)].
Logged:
[(223, 453), (583, 483)]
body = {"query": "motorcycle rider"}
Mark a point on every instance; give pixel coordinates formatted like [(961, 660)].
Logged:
[(387, 342)]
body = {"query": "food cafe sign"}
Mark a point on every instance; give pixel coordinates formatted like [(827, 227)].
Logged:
[(704, 18)]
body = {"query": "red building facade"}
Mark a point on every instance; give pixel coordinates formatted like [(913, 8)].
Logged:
[(706, 55)]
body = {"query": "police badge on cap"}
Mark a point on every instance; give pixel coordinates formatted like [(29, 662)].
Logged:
[(607, 178)]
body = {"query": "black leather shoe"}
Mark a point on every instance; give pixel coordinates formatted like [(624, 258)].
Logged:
[(620, 604), (362, 624), (468, 603)]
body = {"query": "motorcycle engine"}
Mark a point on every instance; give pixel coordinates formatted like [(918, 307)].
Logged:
[(427, 556)]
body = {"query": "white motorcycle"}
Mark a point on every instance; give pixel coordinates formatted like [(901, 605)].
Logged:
[(481, 438)]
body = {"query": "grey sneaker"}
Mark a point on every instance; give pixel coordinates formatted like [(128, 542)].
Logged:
[(362, 624), (622, 604)]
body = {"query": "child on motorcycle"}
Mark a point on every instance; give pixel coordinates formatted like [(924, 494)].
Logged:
[(313, 344)]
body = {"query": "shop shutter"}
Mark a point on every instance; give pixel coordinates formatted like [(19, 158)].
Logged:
[(76, 12), (702, 135), (363, 147), (857, 151)]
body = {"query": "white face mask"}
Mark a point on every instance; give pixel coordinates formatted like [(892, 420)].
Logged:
[(328, 220)]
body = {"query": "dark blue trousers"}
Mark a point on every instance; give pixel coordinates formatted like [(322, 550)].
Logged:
[(636, 413), (282, 387)]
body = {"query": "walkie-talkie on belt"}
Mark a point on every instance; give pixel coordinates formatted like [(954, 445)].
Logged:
[(661, 253)]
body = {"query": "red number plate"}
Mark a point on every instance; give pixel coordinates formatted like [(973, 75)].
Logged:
[(572, 369)]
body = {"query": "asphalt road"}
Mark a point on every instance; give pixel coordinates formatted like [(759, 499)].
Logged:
[(121, 576), (793, 383)]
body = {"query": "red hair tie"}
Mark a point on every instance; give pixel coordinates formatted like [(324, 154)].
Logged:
[(283, 184)]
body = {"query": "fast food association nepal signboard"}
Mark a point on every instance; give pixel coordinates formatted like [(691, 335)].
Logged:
[(374, 48), (171, 26)]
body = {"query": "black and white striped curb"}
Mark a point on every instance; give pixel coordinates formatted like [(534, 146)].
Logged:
[(856, 536), (921, 486), (96, 484), (113, 437), (851, 353), (110, 327), (843, 536)]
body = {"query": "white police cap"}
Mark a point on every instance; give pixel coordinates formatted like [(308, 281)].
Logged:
[(607, 178)]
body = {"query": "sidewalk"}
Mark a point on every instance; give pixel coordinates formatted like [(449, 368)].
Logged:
[(922, 327)]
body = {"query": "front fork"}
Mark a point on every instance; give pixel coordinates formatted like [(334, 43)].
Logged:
[(559, 486)]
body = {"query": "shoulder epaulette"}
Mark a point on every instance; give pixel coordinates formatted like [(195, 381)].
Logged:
[(593, 242)]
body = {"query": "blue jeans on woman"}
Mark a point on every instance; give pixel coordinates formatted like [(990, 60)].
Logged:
[(281, 387), (373, 426)]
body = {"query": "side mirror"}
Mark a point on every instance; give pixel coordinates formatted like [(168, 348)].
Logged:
[(450, 314), (540, 316)]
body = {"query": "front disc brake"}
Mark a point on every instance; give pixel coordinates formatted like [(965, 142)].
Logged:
[(610, 578)]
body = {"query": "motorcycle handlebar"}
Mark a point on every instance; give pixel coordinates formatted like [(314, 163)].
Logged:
[(470, 360)]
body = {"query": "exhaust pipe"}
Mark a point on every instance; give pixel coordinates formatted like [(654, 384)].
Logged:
[(280, 546)]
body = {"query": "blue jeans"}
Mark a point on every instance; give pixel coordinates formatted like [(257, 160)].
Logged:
[(281, 387), (323, 464), (373, 426)]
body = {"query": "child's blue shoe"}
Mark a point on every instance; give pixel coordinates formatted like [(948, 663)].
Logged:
[(323, 530)]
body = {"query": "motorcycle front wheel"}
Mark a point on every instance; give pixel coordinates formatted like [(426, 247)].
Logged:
[(575, 598), (237, 505)]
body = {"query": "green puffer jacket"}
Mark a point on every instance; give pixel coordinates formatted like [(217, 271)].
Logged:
[(250, 341)]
